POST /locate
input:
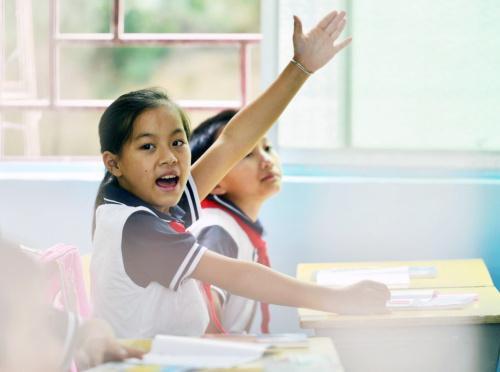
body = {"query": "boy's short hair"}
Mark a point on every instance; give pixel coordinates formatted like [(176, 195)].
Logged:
[(207, 132)]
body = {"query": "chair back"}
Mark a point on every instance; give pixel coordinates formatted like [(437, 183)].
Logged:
[(66, 289)]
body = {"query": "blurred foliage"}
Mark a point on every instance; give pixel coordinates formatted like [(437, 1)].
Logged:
[(192, 15), (138, 64)]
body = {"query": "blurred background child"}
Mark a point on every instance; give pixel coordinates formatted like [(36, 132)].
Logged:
[(229, 221)]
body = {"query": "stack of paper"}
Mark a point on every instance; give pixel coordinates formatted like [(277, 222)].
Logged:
[(427, 272), (393, 277), (201, 353), (429, 300)]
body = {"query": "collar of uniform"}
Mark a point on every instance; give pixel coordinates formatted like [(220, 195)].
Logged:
[(257, 226), (115, 194)]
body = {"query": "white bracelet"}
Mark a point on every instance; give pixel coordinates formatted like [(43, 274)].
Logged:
[(301, 67)]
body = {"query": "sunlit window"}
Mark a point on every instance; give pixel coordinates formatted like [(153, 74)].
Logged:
[(418, 86), (58, 116)]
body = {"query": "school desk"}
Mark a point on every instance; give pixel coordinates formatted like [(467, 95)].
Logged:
[(450, 273), (320, 352), (465, 339)]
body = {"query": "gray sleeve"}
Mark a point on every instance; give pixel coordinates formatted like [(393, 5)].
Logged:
[(154, 252), (218, 240)]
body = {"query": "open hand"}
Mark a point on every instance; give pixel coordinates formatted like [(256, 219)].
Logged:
[(314, 49)]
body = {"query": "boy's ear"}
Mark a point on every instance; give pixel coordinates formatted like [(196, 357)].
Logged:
[(219, 190), (110, 161)]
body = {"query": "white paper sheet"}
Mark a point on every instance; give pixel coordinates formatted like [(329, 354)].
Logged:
[(393, 277), (429, 300), (201, 353)]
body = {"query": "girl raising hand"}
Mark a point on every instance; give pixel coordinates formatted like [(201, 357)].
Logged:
[(146, 267)]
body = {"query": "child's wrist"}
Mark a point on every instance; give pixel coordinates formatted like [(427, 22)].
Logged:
[(301, 67), (333, 300)]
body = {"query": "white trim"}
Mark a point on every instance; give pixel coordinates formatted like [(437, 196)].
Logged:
[(195, 261), (407, 160), (113, 201), (178, 277), (229, 206), (390, 180), (193, 200), (221, 293)]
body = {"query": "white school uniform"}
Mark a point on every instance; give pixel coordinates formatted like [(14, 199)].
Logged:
[(141, 265)]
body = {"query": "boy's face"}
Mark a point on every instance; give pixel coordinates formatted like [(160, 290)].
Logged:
[(255, 178), (154, 163)]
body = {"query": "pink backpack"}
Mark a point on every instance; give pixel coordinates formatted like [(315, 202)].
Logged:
[(66, 288)]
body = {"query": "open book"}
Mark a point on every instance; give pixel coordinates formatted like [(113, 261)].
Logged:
[(201, 352), (429, 299)]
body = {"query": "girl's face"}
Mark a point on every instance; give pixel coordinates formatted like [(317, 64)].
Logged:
[(255, 178), (154, 163)]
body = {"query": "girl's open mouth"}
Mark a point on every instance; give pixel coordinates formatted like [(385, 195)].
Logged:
[(167, 182)]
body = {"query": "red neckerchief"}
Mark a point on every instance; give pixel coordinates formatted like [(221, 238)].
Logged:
[(259, 245), (177, 226)]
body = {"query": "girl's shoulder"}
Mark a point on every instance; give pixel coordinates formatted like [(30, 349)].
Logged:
[(118, 214)]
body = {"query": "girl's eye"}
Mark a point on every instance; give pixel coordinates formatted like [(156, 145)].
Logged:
[(268, 148), (250, 154), (147, 146), (178, 143)]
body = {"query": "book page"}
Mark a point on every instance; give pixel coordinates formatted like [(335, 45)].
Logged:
[(201, 352)]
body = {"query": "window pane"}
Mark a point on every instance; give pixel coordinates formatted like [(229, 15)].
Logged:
[(218, 16), (85, 16), (210, 73), (70, 133), (316, 117), (425, 74)]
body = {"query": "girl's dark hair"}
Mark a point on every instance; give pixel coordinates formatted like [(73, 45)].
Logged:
[(117, 123), (207, 132)]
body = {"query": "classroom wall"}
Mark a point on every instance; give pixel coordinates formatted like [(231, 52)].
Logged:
[(312, 219), (352, 219)]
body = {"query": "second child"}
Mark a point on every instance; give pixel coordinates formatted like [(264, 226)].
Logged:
[(229, 220)]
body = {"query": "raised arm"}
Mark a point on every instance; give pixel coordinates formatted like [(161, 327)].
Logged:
[(260, 283), (311, 51)]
